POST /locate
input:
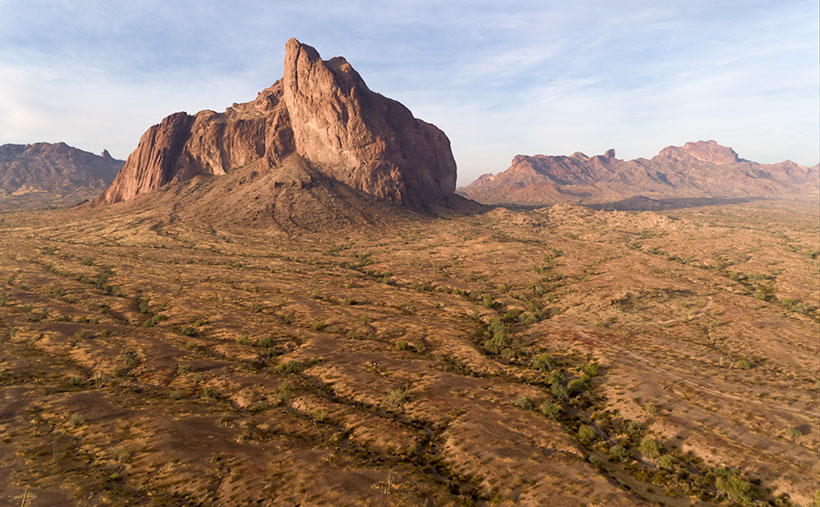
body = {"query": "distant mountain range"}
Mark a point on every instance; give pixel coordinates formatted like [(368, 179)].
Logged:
[(702, 169), (54, 171)]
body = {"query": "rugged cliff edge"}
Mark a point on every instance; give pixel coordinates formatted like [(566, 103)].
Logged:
[(320, 110)]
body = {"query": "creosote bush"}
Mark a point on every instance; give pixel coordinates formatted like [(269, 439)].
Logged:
[(542, 362), (575, 387), (587, 434), (650, 448), (523, 402)]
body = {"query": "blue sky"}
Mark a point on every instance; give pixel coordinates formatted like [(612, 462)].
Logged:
[(500, 78)]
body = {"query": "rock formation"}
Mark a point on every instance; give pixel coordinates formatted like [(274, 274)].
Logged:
[(702, 169), (320, 110), (57, 169)]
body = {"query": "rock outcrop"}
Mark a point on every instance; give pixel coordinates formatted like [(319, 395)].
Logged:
[(702, 169), (56, 169), (320, 110)]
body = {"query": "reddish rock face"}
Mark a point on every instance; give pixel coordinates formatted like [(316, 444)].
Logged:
[(698, 169), (322, 110)]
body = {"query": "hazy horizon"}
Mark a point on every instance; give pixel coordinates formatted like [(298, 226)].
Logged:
[(499, 80)]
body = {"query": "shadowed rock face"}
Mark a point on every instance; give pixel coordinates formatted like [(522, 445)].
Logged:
[(321, 110), (702, 169)]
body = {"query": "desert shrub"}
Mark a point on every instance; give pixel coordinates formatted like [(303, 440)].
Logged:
[(551, 410), (651, 409), (650, 448), (794, 432), (591, 369), (575, 387), (665, 462), (76, 420), (152, 321), (318, 325), (264, 342), (209, 392), (259, 406), (183, 368), (397, 397), (144, 303), (559, 392), (619, 453), (487, 301), (523, 402), (498, 339), (542, 362), (402, 345), (76, 381), (290, 367), (635, 428), (4, 298), (189, 330), (743, 364), (320, 415), (733, 486), (285, 393), (556, 377), (177, 394), (587, 434)]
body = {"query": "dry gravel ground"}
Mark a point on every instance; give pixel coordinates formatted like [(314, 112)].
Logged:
[(558, 356)]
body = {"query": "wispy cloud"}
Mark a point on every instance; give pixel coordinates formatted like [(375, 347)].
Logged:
[(500, 78)]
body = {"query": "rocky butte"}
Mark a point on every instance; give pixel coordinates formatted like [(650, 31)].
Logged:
[(321, 110), (702, 169)]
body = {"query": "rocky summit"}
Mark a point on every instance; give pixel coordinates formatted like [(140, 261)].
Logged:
[(321, 110), (702, 169), (53, 169)]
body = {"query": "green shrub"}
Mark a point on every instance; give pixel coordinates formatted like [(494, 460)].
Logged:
[(487, 301), (189, 330), (559, 392), (735, 488), (665, 462), (402, 345), (556, 377), (290, 367), (542, 362), (619, 453), (318, 325), (76, 381), (591, 369), (743, 364), (144, 302), (794, 432), (320, 415), (587, 434), (397, 397), (259, 406), (551, 410), (285, 393), (523, 402), (575, 387), (497, 340), (650, 448)]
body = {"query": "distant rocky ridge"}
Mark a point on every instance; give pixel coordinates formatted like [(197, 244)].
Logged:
[(54, 169), (320, 110), (702, 169)]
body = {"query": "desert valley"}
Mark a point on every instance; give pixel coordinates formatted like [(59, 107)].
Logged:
[(291, 303)]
